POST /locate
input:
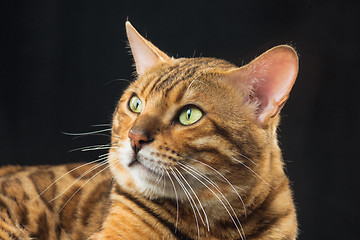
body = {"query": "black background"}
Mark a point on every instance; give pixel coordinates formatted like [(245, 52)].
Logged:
[(60, 61)]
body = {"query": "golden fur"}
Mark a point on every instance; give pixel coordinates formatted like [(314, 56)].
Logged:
[(219, 178)]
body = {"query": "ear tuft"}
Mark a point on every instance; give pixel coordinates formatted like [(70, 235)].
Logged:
[(145, 54)]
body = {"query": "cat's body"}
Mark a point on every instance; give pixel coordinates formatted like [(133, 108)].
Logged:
[(194, 156), (26, 212)]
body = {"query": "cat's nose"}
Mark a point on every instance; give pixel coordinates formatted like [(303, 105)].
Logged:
[(138, 139)]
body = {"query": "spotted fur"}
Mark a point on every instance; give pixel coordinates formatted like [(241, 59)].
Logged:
[(219, 178)]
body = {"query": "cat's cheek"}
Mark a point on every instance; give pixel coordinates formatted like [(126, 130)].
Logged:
[(123, 153), (119, 159)]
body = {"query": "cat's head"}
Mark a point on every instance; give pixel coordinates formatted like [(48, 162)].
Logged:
[(199, 122)]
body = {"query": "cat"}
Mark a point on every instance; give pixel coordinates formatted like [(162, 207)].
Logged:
[(193, 155)]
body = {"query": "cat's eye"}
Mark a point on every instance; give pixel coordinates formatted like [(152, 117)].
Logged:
[(190, 115), (135, 104)]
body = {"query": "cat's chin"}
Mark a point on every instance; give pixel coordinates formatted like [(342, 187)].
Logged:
[(139, 174), (143, 181), (151, 184)]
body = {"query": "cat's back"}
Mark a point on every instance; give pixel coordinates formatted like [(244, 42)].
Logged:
[(52, 202)]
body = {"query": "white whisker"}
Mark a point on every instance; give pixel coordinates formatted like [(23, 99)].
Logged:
[(188, 197), (222, 176), (104, 155), (102, 125), (177, 199), (195, 81), (68, 172), (237, 160), (82, 187), (244, 156), (201, 206), (93, 147), (79, 178), (97, 148), (87, 133), (159, 178), (118, 80), (232, 209)]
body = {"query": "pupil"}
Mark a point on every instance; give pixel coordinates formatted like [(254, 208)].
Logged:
[(188, 112), (137, 104)]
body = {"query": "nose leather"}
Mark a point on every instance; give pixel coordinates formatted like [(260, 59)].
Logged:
[(138, 139), (143, 131)]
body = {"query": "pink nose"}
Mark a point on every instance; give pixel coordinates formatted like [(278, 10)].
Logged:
[(138, 139)]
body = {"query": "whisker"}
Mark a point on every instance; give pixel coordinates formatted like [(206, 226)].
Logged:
[(192, 199), (244, 156), (201, 206), (177, 199), (237, 160), (104, 155), (97, 134), (199, 173), (221, 175), (68, 172), (82, 187), (93, 147), (159, 178), (118, 80), (188, 197), (87, 133), (164, 186), (227, 181), (195, 79), (102, 125), (97, 148), (232, 209), (79, 178)]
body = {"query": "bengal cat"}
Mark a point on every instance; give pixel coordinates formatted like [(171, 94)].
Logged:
[(193, 155)]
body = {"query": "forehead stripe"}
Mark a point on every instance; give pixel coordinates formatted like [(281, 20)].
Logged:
[(186, 79), (156, 81)]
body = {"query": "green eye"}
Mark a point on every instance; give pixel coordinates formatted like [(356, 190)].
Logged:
[(135, 104), (190, 115)]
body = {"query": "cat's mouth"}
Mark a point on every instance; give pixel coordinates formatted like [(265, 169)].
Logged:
[(133, 162), (136, 162)]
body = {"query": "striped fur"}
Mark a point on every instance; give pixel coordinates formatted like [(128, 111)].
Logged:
[(26, 212), (219, 178)]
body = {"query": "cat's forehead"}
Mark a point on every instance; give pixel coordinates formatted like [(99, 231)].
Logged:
[(178, 76)]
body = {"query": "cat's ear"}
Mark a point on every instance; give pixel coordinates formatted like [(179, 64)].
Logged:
[(267, 80), (145, 54)]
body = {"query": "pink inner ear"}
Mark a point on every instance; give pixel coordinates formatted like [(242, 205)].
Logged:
[(275, 72), (278, 80), (145, 54), (267, 80)]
